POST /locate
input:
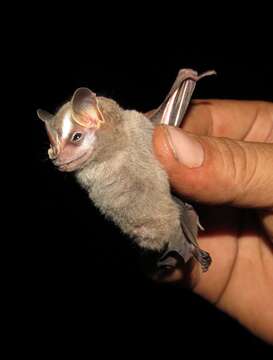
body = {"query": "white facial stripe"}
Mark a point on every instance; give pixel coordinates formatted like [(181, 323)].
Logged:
[(67, 125)]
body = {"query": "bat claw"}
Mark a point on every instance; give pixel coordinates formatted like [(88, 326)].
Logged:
[(203, 258)]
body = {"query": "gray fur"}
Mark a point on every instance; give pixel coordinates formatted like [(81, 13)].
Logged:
[(130, 187)]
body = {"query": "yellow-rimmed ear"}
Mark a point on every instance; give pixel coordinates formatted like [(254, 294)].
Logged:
[(85, 109)]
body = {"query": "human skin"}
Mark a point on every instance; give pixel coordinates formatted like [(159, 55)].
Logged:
[(230, 178)]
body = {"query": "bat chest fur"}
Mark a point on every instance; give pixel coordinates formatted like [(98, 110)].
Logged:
[(117, 190), (132, 190)]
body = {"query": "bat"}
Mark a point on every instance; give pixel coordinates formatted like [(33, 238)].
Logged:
[(110, 151)]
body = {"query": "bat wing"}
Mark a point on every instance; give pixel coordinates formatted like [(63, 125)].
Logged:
[(174, 106), (172, 112)]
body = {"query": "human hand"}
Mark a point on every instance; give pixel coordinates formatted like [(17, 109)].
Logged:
[(223, 160)]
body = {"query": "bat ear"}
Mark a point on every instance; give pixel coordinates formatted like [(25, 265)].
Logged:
[(85, 109), (44, 115)]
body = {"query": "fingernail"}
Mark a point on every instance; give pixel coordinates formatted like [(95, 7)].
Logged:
[(186, 149)]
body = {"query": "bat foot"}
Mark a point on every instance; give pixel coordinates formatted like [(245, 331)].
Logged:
[(176, 255), (203, 258)]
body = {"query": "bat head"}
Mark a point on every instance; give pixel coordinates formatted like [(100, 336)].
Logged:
[(76, 132)]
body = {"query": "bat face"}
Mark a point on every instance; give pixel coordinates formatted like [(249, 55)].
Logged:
[(72, 131)]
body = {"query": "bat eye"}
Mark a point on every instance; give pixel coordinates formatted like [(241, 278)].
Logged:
[(76, 137)]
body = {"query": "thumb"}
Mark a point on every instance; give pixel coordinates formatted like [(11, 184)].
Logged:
[(216, 170)]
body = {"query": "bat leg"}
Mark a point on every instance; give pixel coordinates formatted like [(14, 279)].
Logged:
[(193, 215), (189, 220)]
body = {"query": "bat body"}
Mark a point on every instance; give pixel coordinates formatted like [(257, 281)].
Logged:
[(129, 186), (110, 150)]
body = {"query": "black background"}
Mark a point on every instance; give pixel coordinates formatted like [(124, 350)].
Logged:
[(78, 274)]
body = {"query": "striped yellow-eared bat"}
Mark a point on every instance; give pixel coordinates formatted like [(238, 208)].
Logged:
[(110, 150)]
